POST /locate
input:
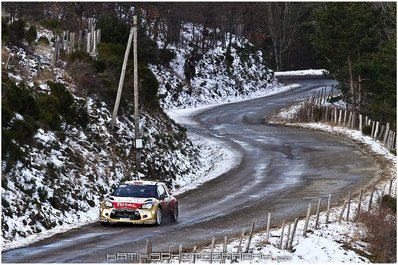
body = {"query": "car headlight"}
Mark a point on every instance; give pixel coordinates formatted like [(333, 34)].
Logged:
[(147, 205), (108, 204)]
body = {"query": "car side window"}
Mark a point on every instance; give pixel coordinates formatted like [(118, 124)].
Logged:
[(166, 190), (161, 191)]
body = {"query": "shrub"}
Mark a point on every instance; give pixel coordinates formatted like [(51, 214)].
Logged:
[(49, 112), (83, 74), (43, 41), (31, 35), (18, 98), (52, 24), (80, 56), (43, 194), (65, 99), (381, 231)]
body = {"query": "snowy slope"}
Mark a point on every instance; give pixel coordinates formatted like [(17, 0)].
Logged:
[(216, 78)]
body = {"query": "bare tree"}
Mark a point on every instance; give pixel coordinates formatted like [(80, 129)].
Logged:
[(281, 21)]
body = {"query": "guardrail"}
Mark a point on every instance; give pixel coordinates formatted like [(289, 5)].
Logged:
[(314, 110)]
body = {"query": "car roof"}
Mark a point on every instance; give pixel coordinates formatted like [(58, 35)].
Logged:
[(141, 182)]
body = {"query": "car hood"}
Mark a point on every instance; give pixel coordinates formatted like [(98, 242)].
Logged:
[(129, 202)]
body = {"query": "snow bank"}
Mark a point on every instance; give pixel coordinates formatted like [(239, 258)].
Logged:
[(310, 72)]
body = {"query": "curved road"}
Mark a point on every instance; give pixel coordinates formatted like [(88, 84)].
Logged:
[(281, 170)]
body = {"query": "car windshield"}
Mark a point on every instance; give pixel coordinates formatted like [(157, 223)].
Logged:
[(129, 190)]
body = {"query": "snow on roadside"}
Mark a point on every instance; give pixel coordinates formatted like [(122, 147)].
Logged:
[(302, 72)]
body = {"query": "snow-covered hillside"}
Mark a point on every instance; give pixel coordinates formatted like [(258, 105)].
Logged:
[(218, 76), (65, 173)]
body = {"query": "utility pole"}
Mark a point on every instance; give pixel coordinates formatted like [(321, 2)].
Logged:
[(121, 80), (138, 141)]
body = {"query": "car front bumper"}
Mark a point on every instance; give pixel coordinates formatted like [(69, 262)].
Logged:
[(141, 216)]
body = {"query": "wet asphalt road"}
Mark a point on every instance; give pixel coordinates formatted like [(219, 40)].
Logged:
[(282, 169)]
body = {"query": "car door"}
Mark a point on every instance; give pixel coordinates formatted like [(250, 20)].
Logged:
[(163, 198)]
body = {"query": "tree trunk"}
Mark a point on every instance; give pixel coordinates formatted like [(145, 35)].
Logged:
[(351, 82), (359, 93)]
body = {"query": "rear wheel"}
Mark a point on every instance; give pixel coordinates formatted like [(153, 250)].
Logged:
[(174, 214), (158, 216)]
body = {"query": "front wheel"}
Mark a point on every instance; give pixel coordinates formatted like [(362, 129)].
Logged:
[(174, 215), (158, 216)]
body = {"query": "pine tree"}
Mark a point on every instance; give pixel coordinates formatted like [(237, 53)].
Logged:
[(349, 39)]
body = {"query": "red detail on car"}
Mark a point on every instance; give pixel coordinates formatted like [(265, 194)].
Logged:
[(126, 205)]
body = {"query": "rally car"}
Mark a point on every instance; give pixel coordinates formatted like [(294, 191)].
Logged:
[(139, 202)]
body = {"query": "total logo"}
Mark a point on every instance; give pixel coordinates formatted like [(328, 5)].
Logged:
[(126, 205)]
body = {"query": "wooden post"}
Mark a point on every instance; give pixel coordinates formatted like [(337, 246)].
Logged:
[(326, 114), (340, 115), (317, 213), (391, 140), (373, 129), (386, 133), (180, 253), (382, 194), (79, 40), (360, 123), (288, 237), (342, 212), (148, 249), (239, 250), (268, 224), (194, 254), (353, 120), (121, 80), (349, 119), (8, 60), (371, 199), (376, 130), (390, 188), (345, 117), (359, 204), (251, 235), (98, 36), (224, 249), (381, 133), (292, 237), (328, 208), (307, 218), (348, 207), (88, 42), (335, 115), (283, 230), (213, 241), (94, 37)]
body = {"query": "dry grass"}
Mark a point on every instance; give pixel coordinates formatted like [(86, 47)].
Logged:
[(381, 231)]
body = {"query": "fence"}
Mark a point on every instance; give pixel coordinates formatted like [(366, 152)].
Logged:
[(86, 40), (314, 110), (288, 231)]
